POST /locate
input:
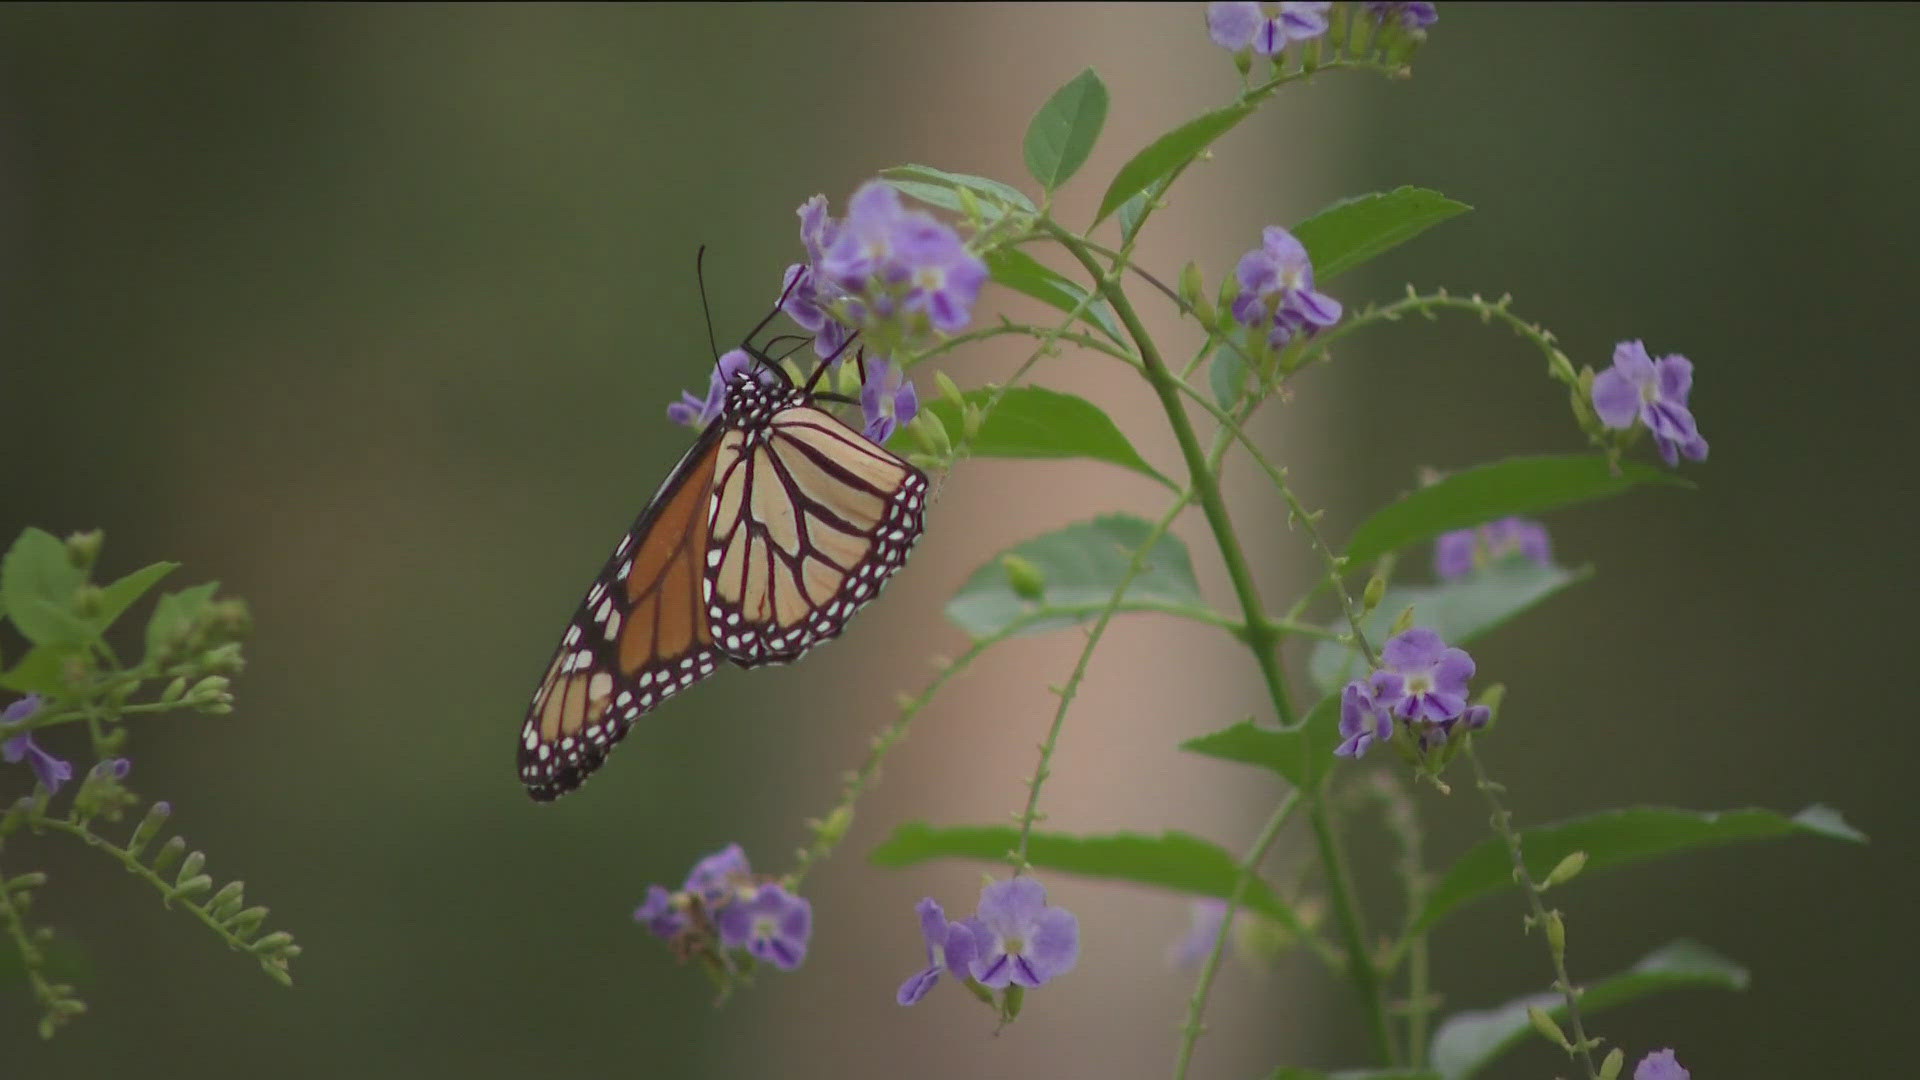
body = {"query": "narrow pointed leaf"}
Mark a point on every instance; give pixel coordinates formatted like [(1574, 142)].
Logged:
[(117, 597), (937, 187), (1460, 611), (1031, 422), (1025, 274), (1355, 230), (1302, 754), (1615, 837), (1172, 860), (1528, 485), (1167, 153), (1063, 132), (1468, 1042), (1079, 567)]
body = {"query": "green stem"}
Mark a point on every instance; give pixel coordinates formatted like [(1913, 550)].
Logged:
[(1197, 1005), (1261, 641), (140, 869), (1502, 821)]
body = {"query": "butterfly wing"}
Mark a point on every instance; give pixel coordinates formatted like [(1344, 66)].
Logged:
[(639, 637), (810, 519)]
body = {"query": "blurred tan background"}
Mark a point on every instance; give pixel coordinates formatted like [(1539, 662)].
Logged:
[(372, 314)]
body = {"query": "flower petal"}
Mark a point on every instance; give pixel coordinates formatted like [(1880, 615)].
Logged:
[(1631, 360), (1415, 650), (1615, 399), (1674, 375), (917, 985), (1231, 25), (1055, 945), (1008, 908)]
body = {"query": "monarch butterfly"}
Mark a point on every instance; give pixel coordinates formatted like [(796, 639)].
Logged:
[(777, 526)]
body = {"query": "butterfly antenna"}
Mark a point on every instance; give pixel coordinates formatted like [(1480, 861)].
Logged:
[(700, 275), (814, 379)]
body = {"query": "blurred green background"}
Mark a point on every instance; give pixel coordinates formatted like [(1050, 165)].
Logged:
[(371, 314)]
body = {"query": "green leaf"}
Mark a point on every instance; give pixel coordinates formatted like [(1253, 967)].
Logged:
[(1614, 837), (937, 187), (1352, 231), (1302, 754), (176, 612), (1079, 567), (1031, 422), (1024, 274), (1468, 1042), (1172, 860), (1131, 212), (38, 582), (40, 671), (1064, 130), (116, 598), (1527, 485), (1459, 611), (1227, 376), (1167, 153)]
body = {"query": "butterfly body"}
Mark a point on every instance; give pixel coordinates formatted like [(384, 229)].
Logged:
[(778, 524)]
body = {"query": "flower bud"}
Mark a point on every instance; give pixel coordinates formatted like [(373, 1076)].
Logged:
[(169, 852), (1376, 591), (191, 867), (175, 690), (1610, 1068), (1556, 935), (1028, 581), (1193, 291), (1544, 1024), (1566, 871), (83, 548), (1402, 622), (950, 391), (149, 827)]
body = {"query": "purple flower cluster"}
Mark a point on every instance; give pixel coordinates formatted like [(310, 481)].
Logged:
[(722, 901), (1660, 1065), (1638, 389), (1014, 939), (1410, 14), (888, 401), (1265, 29), (885, 270), (1276, 290), (1459, 553), (47, 769), (1421, 682), (699, 412)]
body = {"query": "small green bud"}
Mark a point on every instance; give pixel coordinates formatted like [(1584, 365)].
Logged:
[(1193, 291), (149, 827), (970, 206), (169, 852), (1010, 1001), (89, 601), (1244, 61), (1028, 581), (970, 420), (1544, 1024), (247, 921), (1615, 1061), (1376, 591), (193, 886), (23, 882), (84, 547), (1567, 870), (1402, 45), (950, 391), (930, 428), (1556, 935), (1402, 622), (227, 901), (273, 943), (836, 824), (175, 690), (191, 867), (225, 659), (210, 691)]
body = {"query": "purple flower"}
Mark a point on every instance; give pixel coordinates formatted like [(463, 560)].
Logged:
[(662, 918), (1421, 678), (771, 924), (1660, 1065), (896, 265), (1020, 940), (1411, 14), (719, 875), (47, 769), (950, 948), (1654, 393), (696, 412), (1209, 921), (1363, 719), (887, 400), (1265, 28), (1276, 290), (1459, 553)]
